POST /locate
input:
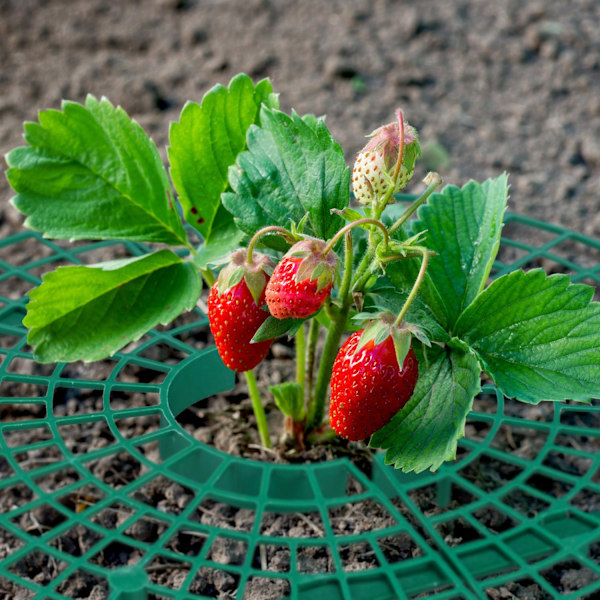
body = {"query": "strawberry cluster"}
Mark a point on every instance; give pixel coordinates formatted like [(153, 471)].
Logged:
[(376, 370), (295, 289)]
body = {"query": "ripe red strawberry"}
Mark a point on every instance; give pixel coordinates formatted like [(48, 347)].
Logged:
[(235, 311), (367, 386), (302, 281), (375, 164)]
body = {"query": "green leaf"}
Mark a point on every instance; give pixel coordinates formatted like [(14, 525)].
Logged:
[(272, 328), (88, 313), (90, 172), (463, 226), (289, 169), (537, 336), (224, 238), (349, 214), (206, 141), (289, 398), (425, 432)]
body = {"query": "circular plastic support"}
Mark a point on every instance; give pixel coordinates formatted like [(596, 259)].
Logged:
[(520, 503)]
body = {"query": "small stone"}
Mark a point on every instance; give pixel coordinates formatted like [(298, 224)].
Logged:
[(590, 150), (282, 351), (228, 551), (224, 581)]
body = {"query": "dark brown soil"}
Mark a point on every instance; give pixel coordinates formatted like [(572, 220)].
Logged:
[(498, 86)]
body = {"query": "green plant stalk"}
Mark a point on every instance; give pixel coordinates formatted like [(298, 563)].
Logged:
[(313, 338), (332, 342), (259, 410), (301, 356), (364, 265), (270, 229), (348, 227), (435, 183), (209, 276), (363, 271), (417, 284)]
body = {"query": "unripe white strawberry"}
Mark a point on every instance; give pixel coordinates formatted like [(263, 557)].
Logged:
[(373, 172)]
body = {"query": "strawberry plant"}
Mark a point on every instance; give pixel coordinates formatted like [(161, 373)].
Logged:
[(390, 304)]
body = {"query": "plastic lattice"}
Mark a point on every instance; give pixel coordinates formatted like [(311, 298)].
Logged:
[(520, 504)]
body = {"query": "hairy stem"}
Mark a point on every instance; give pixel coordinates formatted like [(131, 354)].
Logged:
[(313, 338), (347, 228), (363, 271), (433, 181), (332, 342), (270, 229), (418, 281), (400, 148), (259, 410), (301, 356), (209, 276)]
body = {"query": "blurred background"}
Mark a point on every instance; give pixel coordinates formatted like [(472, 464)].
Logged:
[(511, 85)]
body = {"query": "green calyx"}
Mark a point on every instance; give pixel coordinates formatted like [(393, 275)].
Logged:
[(382, 326), (315, 264), (254, 273)]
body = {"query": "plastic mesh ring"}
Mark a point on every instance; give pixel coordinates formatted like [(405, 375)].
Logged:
[(520, 504)]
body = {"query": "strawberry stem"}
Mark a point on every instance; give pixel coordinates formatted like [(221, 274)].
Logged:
[(270, 229), (313, 338), (418, 281), (378, 206), (332, 242), (259, 410), (363, 271), (332, 341), (301, 356), (433, 181), (208, 275)]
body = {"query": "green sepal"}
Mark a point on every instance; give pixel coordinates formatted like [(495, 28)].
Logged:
[(411, 153), (297, 229), (256, 282), (289, 398), (348, 214), (314, 265), (419, 333), (363, 316), (376, 331), (319, 270), (323, 281), (236, 276), (253, 274), (402, 339)]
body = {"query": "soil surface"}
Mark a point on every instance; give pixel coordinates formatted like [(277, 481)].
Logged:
[(491, 86)]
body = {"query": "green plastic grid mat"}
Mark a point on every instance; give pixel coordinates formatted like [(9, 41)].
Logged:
[(78, 476)]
